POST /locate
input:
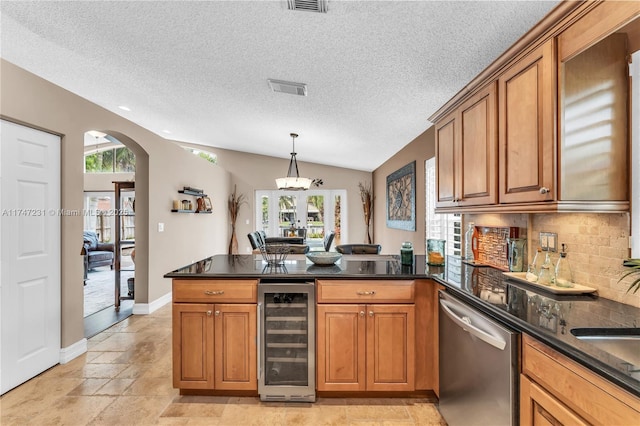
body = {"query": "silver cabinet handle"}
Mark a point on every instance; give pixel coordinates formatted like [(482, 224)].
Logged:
[(370, 313), (361, 313), (366, 293), (213, 292), (217, 313), (208, 313), (544, 190)]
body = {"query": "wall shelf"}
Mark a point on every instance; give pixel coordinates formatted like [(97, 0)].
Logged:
[(201, 198)]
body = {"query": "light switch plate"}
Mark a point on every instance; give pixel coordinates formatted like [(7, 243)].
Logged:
[(160, 227), (549, 241)]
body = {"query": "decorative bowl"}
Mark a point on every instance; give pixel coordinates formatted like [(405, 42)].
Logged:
[(323, 257)]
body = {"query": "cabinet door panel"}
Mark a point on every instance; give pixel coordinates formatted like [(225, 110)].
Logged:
[(193, 346), (445, 161), (235, 337), (479, 144), (539, 408), (390, 347), (526, 140), (341, 348)]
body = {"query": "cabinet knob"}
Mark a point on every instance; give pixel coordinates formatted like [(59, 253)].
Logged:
[(217, 313), (544, 190), (370, 313), (361, 313), (213, 293), (208, 313), (366, 293)]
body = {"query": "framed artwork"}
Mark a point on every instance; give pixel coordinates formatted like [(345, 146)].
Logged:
[(401, 198)]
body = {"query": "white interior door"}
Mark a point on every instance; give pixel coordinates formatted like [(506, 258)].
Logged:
[(29, 253)]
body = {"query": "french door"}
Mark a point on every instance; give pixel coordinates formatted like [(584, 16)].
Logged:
[(312, 213)]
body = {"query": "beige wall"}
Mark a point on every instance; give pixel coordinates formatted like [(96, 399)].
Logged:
[(161, 166), (420, 149)]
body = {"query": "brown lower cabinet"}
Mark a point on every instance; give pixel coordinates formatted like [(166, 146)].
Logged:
[(365, 335), (214, 344), (555, 390), (366, 347)]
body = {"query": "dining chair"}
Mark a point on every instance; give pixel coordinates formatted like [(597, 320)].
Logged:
[(328, 240)]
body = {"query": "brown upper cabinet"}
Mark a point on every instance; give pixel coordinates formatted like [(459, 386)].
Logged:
[(466, 152), (546, 127), (526, 119)]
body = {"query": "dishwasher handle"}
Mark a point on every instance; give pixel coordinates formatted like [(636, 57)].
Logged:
[(465, 324)]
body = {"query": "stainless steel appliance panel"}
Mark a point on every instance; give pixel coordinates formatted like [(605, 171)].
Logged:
[(286, 365), (478, 367)]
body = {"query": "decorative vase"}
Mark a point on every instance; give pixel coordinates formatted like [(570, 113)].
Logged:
[(233, 244)]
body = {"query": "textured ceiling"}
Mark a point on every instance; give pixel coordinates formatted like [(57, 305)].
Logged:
[(375, 70)]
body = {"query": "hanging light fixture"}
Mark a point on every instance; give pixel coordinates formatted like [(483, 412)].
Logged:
[(293, 181)]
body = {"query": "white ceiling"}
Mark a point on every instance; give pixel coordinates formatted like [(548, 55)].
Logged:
[(375, 70)]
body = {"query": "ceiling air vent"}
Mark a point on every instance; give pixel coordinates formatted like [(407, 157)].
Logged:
[(288, 87), (308, 5)]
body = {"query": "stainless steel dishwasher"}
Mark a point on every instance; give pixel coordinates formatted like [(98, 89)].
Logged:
[(478, 367), (286, 345)]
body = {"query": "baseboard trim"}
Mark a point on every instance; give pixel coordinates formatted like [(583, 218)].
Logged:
[(74, 351), (148, 308)]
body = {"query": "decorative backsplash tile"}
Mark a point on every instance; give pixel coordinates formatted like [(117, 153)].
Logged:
[(596, 245), (492, 245)]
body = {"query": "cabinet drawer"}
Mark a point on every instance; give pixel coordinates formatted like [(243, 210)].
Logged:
[(215, 291), (348, 291)]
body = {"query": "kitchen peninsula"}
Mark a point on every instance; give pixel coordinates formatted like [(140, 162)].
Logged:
[(215, 317)]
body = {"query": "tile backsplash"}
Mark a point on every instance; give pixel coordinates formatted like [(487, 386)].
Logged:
[(596, 244)]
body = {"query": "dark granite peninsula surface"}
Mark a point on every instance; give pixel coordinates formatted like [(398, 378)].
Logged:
[(298, 266), (526, 308)]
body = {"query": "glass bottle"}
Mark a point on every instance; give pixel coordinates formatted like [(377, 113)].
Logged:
[(563, 271), (468, 242), (534, 266), (547, 273), (406, 253), (435, 252)]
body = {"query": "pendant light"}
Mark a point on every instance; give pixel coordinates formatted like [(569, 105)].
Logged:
[(293, 181)]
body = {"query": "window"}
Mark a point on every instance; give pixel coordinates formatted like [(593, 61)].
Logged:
[(120, 159), (440, 226), (210, 157), (312, 213)]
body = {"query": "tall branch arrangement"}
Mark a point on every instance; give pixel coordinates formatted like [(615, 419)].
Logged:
[(366, 195), (235, 201)]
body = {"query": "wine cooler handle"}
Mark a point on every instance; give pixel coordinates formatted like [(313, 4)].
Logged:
[(258, 356)]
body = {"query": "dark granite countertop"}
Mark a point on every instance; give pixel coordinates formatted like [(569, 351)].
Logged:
[(526, 308)]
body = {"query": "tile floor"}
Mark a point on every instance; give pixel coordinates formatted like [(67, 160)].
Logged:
[(125, 379)]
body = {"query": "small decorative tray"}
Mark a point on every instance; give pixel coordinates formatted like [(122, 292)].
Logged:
[(576, 289)]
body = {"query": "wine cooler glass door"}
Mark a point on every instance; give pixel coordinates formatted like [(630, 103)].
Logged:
[(287, 341)]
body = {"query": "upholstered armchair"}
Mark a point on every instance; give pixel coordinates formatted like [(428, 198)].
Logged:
[(96, 253)]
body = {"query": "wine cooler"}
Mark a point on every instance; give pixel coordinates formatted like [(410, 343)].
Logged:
[(286, 341)]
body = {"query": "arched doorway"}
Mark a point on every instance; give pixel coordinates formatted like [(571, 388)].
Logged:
[(111, 164)]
